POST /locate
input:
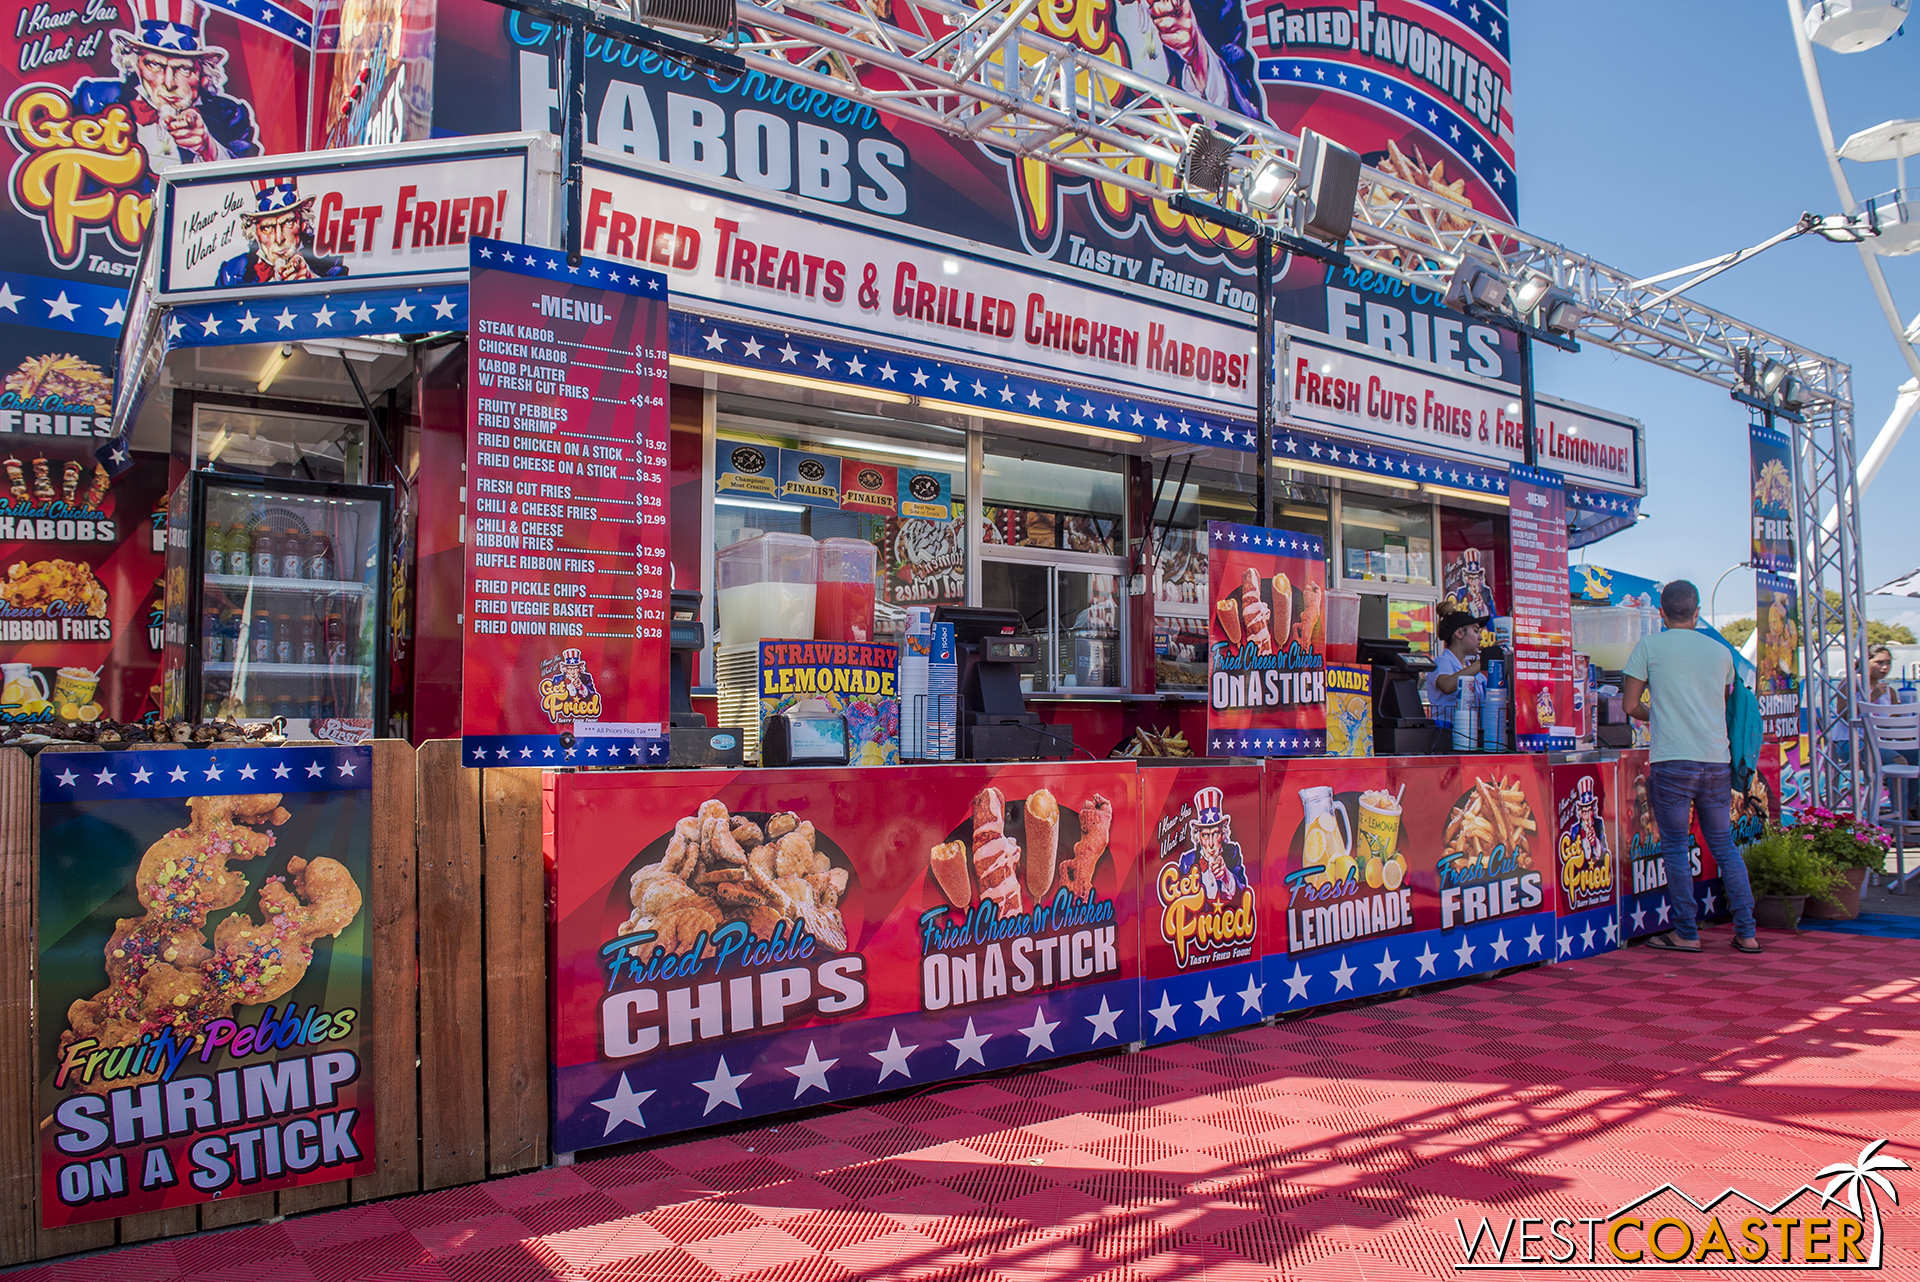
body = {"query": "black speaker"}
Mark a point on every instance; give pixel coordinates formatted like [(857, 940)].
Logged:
[(1330, 174)]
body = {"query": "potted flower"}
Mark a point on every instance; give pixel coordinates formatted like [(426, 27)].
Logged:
[(1853, 848), (1786, 871)]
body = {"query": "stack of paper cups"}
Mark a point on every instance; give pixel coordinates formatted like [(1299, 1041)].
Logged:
[(914, 738), (943, 694)]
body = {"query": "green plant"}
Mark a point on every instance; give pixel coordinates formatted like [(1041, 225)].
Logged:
[(1782, 863), (1844, 841)]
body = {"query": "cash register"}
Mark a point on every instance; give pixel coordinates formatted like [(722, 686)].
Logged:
[(1401, 726), (994, 724), (689, 742)]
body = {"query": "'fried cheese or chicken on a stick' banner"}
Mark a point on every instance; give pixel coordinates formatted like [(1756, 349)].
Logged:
[(203, 972), (1266, 688), (737, 944)]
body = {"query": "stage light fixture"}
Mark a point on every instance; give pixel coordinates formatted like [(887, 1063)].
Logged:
[(1267, 185), (1772, 375), (1203, 162), (1528, 294), (1473, 283)]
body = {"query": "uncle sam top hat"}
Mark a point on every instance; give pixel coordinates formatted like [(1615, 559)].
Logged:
[(170, 27), (1209, 808), (571, 656), (1583, 793), (276, 196)]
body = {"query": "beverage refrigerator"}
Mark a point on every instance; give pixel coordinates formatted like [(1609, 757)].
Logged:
[(276, 603)]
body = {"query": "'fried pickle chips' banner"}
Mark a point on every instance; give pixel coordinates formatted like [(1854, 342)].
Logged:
[(203, 973), (1267, 639), (733, 944)]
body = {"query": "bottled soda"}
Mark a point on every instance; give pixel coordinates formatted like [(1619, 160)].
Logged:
[(213, 640), (283, 706), (262, 636), (319, 557), (308, 650), (336, 638), (283, 639), (231, 634), (239, 549), (216, 547), (313, 702), (264, 551), (257, 706), (293, 555)]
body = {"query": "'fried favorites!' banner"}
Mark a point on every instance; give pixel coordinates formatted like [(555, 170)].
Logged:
[(1266, 690), (731, 944), (203, 969)]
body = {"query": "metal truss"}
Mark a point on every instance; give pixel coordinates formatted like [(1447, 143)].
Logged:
[(987, 73), (1833, 640)]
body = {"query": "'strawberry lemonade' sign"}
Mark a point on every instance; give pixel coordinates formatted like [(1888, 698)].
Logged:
[(182, 1058), (567, 570), (1200, 900), (732, 944), (1266, 692), (1383, 874), (1542, 614)]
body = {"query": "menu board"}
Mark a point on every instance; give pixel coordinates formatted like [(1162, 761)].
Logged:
[(1542, 611), (566, 542)]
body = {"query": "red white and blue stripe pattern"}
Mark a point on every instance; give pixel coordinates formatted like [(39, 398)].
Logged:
[(274, 195), (170, 26)]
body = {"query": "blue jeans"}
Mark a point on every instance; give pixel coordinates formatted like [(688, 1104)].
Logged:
[(1675, 788)]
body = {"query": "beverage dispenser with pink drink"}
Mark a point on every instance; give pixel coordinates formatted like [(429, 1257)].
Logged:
[(844, 599)]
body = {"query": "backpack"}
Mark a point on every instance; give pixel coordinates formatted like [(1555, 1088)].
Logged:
[(1743, 733)]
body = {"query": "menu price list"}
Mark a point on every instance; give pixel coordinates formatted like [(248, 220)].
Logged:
[(566, 504), (1542, 615)]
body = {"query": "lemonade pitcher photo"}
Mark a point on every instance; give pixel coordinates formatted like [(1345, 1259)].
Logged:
[(1329, 839)]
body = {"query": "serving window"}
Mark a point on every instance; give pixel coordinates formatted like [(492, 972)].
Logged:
[(1052, 527)]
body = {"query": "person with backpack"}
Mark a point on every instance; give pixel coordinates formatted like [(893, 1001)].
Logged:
[(1698, 720)]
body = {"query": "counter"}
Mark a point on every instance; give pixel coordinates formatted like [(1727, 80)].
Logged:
[(733, 943)]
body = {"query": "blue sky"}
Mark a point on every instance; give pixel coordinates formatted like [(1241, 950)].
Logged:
[(1652, 135)]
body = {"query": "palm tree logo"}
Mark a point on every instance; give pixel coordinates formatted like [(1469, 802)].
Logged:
[(1862, 1175)]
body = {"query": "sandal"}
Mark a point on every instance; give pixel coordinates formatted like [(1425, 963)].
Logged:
[(1668, 941), (1748, 945)]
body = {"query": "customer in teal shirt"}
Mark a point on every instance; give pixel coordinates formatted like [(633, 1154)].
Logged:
[(1687, 675)]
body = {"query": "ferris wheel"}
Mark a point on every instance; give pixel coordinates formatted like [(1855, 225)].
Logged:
[(1849, 27)]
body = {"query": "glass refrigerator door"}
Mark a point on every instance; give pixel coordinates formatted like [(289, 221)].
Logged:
[(289, 608)]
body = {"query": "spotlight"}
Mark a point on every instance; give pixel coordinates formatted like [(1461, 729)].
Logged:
[(1267, 185), (1473, 283), (1772, 375), (710, 18), (1203, 163), (1561, 313), (1528, 293), (1793, 393)]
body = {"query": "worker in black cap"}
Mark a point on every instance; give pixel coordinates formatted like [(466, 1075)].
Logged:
[(1459, 661)]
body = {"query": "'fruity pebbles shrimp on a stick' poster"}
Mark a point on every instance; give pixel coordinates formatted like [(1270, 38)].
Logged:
[(1266, 688), (203, 976)]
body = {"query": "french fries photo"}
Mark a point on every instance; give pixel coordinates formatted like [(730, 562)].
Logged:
[(1494, 815)]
